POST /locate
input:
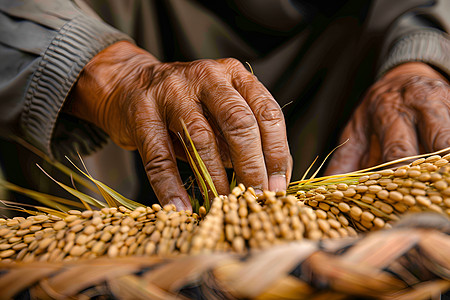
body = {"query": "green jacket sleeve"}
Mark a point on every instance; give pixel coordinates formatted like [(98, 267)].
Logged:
[(421, 33), (44, 45)]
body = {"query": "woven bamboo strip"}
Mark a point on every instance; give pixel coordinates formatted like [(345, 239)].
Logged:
[(329, 238), (408, 262)]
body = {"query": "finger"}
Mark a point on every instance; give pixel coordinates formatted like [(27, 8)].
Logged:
[(220, 139), (153, 142), (395, 128), (361, 148), (271, 125), (349, 157), (435, 130), (203, 138), (223, 150), (177, 147), (373, 156), (240, 129), (434, 117)]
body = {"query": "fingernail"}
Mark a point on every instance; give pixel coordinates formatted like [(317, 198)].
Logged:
[(180, 204), (277, 183), (258, 192)]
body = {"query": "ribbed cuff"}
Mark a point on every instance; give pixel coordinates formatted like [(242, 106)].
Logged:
[(76, 43), (428, 46)]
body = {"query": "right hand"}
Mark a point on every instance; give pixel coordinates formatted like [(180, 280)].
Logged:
[(231, 117)]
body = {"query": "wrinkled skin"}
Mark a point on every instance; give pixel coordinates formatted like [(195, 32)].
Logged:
[(232, 119), (406, 112)]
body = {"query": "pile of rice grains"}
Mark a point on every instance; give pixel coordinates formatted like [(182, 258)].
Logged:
[(237, 222)]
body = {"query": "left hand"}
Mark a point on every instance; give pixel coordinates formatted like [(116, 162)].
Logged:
[(405, 113)]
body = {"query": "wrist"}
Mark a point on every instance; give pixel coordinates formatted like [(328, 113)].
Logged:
[(415, 69)]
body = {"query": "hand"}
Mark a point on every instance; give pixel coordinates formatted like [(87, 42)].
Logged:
[(140, 102), (406, 112)]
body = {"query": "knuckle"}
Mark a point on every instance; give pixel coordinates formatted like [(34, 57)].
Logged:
[(385, 102), (418, 82), (150, 136), (231, 62), (397, 149), (251, 172), (169, 89), (431, 95), (269, 113), (158, 165), (202, 66), (204, 63), (236, 70), (144, 127), (197, 129), (441, 139), (375, 103), (202, 137), (201, 69), (246, 82), (389, 107), (160, 73), (239, 121), (440, 90), (279, 157), (423, 86), (173, 84)]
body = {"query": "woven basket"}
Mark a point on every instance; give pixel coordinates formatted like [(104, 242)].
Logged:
[(411, 261)]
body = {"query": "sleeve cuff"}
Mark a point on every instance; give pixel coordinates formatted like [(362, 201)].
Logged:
[(76, 43), (428, 46)]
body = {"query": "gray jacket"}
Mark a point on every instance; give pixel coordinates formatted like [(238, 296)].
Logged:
[(45, 44)]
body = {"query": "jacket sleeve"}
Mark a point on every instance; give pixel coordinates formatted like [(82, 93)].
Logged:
[(44, 45), (421, 33)]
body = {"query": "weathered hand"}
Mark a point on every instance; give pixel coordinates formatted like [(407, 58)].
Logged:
[(406, 112), (230, 116)]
